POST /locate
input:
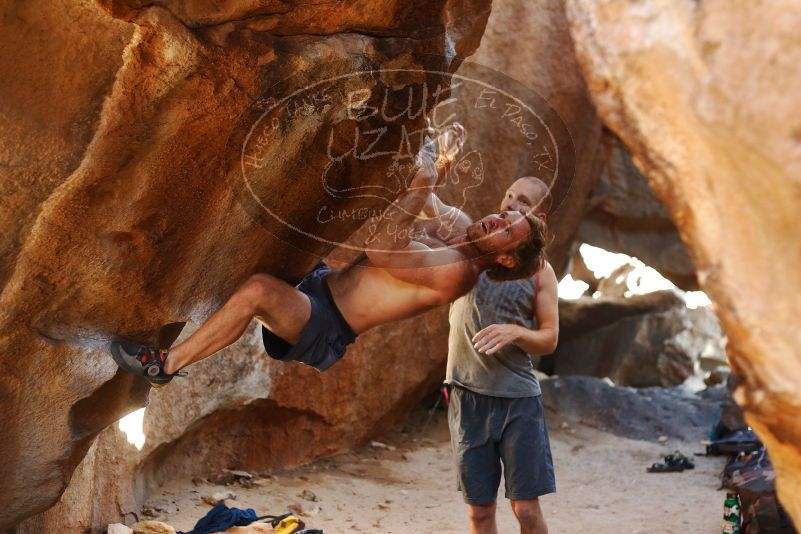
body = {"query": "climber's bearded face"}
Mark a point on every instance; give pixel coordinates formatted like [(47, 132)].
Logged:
[(499, 232)]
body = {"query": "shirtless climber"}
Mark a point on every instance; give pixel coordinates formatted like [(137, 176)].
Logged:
[(400, 275)]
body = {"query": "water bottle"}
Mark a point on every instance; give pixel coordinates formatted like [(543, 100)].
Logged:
[(731, 514)]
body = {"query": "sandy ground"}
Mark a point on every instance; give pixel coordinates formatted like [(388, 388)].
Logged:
[(409, 488)]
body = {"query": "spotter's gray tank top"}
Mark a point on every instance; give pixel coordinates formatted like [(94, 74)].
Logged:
[(509, 372)]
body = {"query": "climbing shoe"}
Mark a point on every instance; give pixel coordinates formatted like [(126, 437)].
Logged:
[(141, 360)]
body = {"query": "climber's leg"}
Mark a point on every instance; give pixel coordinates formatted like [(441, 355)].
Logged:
[(283, 309)]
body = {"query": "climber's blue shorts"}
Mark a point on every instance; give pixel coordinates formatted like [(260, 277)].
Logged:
[(325, 337)]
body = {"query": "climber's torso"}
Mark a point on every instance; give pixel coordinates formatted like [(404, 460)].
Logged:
[(367, 295)]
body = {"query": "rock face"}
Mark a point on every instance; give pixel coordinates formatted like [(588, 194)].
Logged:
[(142, 185), (640, 341), (625, 216), (103, 485), (527, 42), (240, 409), (644, 413), (131, 133), (300, 414), (700, 94)]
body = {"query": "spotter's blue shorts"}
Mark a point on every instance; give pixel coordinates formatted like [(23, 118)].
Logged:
[(489, 431)]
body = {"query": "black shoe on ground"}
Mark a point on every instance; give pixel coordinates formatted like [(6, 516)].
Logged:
[(141, 360), (678, 459)]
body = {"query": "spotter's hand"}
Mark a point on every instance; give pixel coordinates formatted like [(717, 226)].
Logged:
[(495, 337)]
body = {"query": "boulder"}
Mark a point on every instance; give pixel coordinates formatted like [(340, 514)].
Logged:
[(624, 215), (642, 413), (615, 285), (154, 156), (301, 414), (192, 238), (699, 94), (129, 215), (586, 314), (529, 43), (644, 340), (103, 487), (291, 414)]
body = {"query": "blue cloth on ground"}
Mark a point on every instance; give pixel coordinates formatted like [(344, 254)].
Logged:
[(221, 518)]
